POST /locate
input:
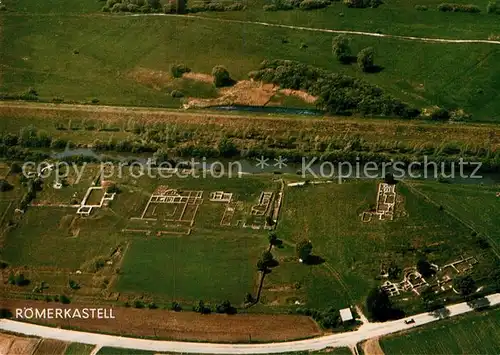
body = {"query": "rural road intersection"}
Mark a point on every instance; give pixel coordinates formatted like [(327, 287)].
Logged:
[(347, 339)]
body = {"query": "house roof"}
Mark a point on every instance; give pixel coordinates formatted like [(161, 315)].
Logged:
[(346, 314)]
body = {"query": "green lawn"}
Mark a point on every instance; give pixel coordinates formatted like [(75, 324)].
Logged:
[(477, 206), (38, 51), (189, 268), (329, 216), (470, 334)]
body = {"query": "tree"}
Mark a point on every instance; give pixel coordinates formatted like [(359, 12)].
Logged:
[(425, 268), (267, 258), (273, 238), (365, 59), (5, 186), (227, 148), (249, 298), (379, 305), (341, 49), (304, 250), (177, 70), (73, 285), (495, 277), (221, 76), (20, 280), (64, 299), (440, 114), (492, 8), (201, 308), (225, 307), (465, 285), (430, 300), (176, 307), (155, 4), (15, 168)]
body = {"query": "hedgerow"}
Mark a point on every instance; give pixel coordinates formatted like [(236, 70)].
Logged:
[(450, 7), (337, 93)]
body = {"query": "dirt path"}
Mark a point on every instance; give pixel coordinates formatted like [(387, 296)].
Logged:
[(326, 30)]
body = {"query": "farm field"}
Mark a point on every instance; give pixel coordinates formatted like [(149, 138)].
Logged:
[(78, 349), (187, 326), (470, 334), (119, 73)]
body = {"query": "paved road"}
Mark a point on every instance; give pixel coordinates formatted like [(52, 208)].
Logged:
[(366, 331)]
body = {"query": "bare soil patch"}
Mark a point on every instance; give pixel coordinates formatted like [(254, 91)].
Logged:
[(300, 94), (156, 79), (372, 347), (185, 325), (206, 78), (245, 92)]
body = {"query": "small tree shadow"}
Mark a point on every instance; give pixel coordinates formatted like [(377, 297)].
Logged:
[(479, 303), (440, 313), (374, 69), (314, 260)]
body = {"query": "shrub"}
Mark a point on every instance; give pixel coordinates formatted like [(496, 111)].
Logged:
[(492, 8), (270, 8), (221, 76), (237, 6), (176, 94), (421, 7), (216, 6), (450, 7), (313, 4), (176, 307), (365, 59), (360, 4), (341, 48), (337, 93), (73, 285), (113, 189), (177, 70), (3, 7), (440, 114), (5, 186), (64, 299)]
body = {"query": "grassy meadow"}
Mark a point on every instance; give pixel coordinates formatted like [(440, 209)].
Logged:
[(211, 263), (469, 334), (125, 60), (353, 251)]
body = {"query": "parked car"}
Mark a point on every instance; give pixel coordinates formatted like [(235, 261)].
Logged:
[(409, 321)]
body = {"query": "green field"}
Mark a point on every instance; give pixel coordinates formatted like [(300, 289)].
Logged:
[(476, 206), (121, 351), (38, 51), (469, 334), (189, 268), (330, 216), (214, 262)]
